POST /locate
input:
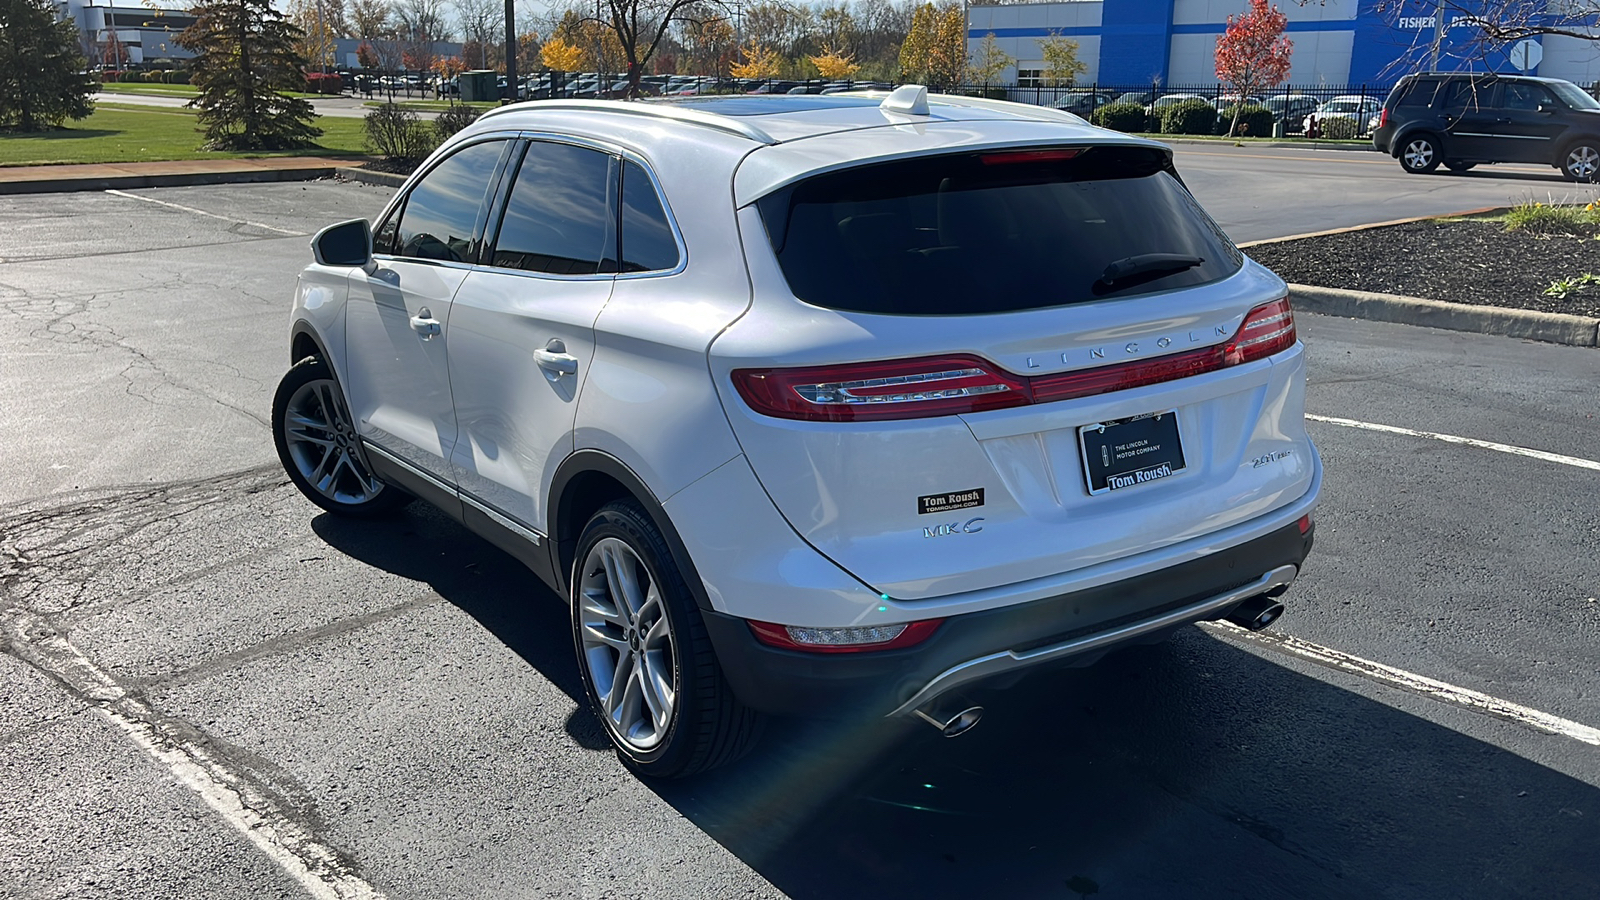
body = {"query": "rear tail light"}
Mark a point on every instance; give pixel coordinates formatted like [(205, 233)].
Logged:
[(844, 640), (897, 389), (1383, 117), (951, 385)]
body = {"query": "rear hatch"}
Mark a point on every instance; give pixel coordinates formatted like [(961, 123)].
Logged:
[(983, 368)]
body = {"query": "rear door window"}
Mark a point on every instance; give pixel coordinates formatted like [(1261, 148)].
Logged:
[(994, 232), (559, 218)]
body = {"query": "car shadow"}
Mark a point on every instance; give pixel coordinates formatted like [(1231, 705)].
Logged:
[(1195, 768), (1491, 173)]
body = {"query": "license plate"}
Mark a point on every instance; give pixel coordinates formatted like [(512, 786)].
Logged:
[(1127, 452)]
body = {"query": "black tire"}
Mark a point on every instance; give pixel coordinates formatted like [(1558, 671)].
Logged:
[(706, 725), (1458, 166), (1420, 154), (309, 390), (1580, 161)]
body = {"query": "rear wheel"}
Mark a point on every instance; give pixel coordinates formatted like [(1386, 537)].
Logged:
[(648, 667), (317, 444), (1581, 162), (1458, 166), (1420, 154)]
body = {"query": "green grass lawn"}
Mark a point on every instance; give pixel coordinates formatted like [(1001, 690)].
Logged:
[(139, 134)]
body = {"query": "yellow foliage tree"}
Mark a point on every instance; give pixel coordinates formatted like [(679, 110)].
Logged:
[(833, 64), (947, 58), (760, 61), (915, 48), (560, 56), (1061, 63)]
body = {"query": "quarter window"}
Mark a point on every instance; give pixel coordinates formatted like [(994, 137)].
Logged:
[(1524, 96), (440, 217), (647, 241), (559, 217)]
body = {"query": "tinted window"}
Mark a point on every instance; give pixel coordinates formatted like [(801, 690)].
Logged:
[(1464, 94), (1523, 96), (993, 233), (441, 213), (1574, 95), (647, 241), (558, 217)]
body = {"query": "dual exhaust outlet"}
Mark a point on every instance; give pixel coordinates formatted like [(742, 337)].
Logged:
[(952, 715)]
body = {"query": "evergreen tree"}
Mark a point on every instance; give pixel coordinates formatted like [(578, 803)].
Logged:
[(245, 54), (41, 70)]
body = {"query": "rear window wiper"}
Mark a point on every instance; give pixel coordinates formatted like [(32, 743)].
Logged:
[(1131, 267)]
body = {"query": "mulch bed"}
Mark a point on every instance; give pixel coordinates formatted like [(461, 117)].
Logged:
[(1472, 262)]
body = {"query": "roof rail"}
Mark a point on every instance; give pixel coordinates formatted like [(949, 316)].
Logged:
[(1025, 110), (727, 124)]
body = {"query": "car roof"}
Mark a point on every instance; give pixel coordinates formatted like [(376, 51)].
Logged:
[(775, 139)]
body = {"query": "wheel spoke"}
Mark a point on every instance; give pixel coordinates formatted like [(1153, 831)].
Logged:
[(624, 583), (324, 481), (300, 434), (621, 678), (652, 699), (594, 634)]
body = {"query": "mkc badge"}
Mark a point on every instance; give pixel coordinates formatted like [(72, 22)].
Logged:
[(970, 526)]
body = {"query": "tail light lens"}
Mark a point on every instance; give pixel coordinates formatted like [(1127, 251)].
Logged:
[(896, 389), (1383, 117), (951, 385), (844, 640)]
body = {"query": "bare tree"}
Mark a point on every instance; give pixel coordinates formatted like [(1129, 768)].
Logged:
[(640, 26), (371, 19), (479, 21), (422, 24), (1467, 34)]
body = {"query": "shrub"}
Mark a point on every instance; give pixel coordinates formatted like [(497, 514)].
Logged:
[(1189, 117), (1340, 128), (1254, 121), (177, 77), (453, 119), (1550, 218), (324, 83), (155, 77), (394, 132), (1121, 117)]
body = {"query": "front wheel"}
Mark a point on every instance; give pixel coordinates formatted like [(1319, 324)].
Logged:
[(648, 667), (1581, 162), (318, 447), (1420, 154)]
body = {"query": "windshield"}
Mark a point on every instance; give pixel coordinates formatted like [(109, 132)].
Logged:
[(994, 232), (1573, 95)]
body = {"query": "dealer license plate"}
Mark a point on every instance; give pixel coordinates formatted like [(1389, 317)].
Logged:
[(1128, 452)]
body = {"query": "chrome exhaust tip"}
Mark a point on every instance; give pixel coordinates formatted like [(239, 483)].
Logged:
[(1256, 613), (952, 724)]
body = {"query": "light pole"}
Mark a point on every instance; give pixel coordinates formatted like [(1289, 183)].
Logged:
[(511, 52)]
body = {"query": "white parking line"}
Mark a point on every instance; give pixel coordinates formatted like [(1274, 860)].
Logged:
[(1457, 439), (235, 795), (1417, 684), (201, 212)]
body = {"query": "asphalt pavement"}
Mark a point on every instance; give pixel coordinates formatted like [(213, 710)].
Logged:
[(210, 688)]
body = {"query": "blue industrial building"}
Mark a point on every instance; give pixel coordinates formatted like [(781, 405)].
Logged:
[(1336, 42)]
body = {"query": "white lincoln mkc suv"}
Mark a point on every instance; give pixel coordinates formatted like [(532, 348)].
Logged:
[(813, 404)]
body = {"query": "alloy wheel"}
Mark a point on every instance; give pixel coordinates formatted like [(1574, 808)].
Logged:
[(1583, 163), (1419, 154), (322, 444), (627, 644)]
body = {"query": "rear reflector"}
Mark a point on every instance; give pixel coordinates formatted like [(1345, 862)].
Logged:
[(952, 385), (844, 640), (1304, 523)]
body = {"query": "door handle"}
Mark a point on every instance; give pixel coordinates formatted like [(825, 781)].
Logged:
[(555, 360), (425, 324)]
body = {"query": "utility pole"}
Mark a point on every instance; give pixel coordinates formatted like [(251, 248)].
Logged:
[(1438, 35), (511, 53)]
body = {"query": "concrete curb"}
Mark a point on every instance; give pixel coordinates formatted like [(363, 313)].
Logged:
[(49, 185), (1554, 328), (368, 176), (1272, 145)]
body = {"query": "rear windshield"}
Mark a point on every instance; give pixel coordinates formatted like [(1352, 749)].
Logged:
[(994, 232)]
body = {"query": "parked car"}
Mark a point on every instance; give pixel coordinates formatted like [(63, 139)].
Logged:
[(1167, 100), (802, 414), (1291, 110), (1464, 120), (1360, 109), (1138, 98), (1083, 103)]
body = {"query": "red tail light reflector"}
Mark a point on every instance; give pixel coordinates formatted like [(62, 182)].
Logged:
[(844, 640), (951, 385), (1383, 117), (895, 389)]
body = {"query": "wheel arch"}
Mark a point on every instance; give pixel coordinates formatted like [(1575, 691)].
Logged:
[(304, 341), (1570, 141), (1397, 146), (588, 480)]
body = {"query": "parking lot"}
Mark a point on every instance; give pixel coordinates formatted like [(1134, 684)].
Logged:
[(209, 688)]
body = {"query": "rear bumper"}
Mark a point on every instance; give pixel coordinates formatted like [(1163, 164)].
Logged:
[(1069, 629)]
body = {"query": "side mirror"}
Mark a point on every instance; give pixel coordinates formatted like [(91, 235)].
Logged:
[(345, 244)]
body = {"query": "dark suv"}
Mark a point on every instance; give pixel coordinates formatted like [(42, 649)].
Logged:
[(1462, 120)]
